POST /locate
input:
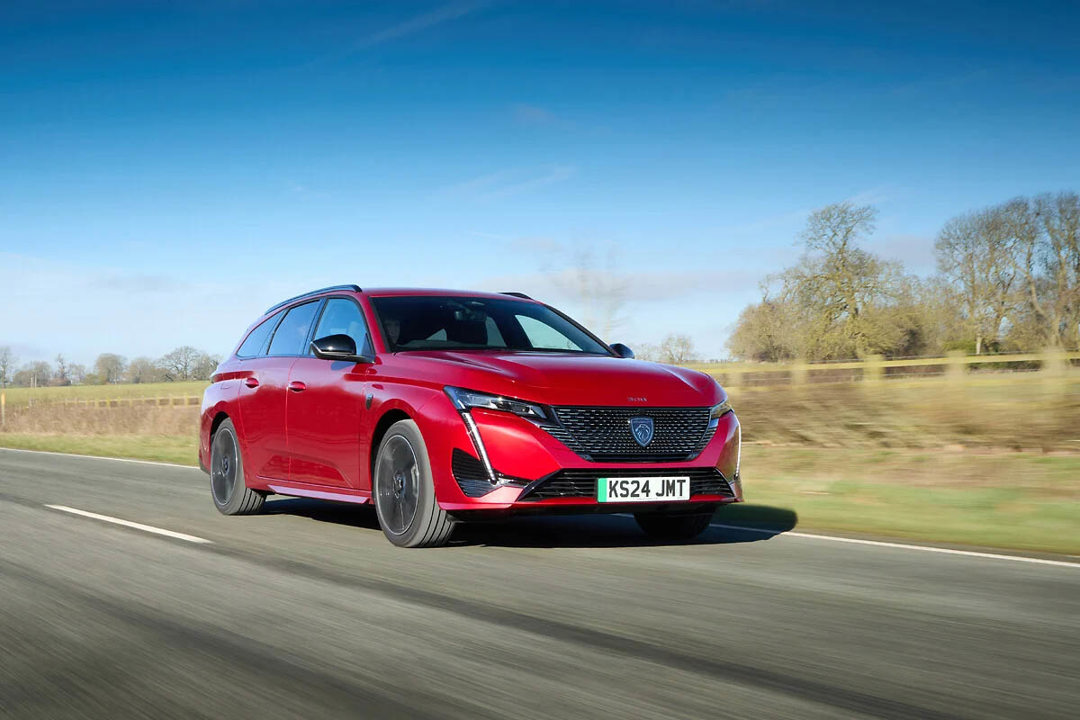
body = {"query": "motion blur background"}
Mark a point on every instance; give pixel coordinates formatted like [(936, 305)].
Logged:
[(751, 188)]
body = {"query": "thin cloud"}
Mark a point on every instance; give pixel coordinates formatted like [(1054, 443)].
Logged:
[(871, 196), (507, 183), (645, 286), (417, 24), (526, 114), (412, 26)]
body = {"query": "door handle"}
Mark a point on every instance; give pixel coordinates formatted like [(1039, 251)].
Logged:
[(297, 386), (251, 381)]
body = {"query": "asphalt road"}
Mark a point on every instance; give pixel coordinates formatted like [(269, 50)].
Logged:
[(307, 611)]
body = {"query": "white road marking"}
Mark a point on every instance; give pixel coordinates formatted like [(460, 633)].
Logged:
[(882, 543), (128, 523), (101, 457), (903, 546), (813, 536)]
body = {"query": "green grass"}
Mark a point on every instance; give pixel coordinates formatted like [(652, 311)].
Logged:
[(21, 396), (1008, 500), (1023, 501), (162, 448)]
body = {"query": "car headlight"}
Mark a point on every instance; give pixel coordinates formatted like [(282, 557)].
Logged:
[(467, 399), (719, 411)]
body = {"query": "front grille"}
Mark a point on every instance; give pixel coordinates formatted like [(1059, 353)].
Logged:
[(602, 434), (579, 483)]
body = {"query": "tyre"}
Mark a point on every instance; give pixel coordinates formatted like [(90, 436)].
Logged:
[(404, 491), (672, 526), (231, 494)]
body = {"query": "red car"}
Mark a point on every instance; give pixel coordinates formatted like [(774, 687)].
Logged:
[(440, 406)]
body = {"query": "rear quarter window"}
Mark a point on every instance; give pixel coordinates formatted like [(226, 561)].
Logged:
[(255, 343), (290, 336)]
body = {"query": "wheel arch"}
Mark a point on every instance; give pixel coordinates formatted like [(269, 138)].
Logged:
[(387, 419), (220, 417)]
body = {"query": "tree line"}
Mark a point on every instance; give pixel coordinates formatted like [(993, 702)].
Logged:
[(1008, 280), (183, 363)]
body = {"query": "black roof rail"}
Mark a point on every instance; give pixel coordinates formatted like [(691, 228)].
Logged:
[(517, 294), (353, 288)]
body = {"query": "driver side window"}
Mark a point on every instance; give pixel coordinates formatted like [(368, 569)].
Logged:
[(343, 317)]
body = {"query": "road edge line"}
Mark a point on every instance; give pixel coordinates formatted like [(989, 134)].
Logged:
[(902, 546), (134, 525), (100, 457)]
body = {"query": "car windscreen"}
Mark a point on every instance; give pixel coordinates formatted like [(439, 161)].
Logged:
[(478, 323)]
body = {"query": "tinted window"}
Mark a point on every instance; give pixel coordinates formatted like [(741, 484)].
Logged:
[(256, 339), (477, 323), (291, 335), (343, 317)]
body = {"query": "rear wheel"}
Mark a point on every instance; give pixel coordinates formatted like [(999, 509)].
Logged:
[(671, 526), (231, 494), (404, 491)]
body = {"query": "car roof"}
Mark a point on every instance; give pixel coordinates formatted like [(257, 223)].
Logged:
[(404, 291), (395, 292)]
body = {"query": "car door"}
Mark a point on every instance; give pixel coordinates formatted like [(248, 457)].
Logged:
[(326, 417), (264, 391)]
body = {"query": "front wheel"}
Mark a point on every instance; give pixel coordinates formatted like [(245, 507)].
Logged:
[(404, 491), (672, 526)]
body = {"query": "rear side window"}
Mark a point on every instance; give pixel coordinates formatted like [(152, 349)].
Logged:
[(290, 337), (343, 317), (256, 339)]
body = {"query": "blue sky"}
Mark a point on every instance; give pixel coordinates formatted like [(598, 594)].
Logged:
[(168, 170)]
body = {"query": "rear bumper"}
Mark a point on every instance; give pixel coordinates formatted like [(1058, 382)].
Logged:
[(526, 459)]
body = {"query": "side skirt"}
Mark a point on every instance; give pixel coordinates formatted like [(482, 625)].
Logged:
[(309, 492)]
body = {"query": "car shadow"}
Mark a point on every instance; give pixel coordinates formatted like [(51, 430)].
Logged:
[(600, 531), (730, 525)]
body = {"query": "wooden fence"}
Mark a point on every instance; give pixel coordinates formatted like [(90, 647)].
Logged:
[(955, 367)]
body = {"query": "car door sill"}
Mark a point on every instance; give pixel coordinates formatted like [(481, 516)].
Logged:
[(340, 495)]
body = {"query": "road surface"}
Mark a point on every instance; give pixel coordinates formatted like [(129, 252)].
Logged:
[(307, 611)]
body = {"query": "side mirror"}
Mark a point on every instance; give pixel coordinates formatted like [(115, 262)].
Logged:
[(338, 347), (622, 351)]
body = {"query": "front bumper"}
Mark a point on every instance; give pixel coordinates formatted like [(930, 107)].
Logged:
[(535, 472)]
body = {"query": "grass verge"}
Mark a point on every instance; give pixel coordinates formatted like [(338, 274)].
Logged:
[(1022, 501), (161, 448)]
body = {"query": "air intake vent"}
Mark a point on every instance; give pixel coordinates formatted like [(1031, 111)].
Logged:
[(470, 474)]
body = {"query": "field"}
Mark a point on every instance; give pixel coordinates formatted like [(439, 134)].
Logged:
[(19, 397), (993, 462)]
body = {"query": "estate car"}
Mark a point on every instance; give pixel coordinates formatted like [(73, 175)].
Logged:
[(441, 406)]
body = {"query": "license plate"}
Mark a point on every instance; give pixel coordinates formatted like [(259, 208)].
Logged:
[(646, 489)]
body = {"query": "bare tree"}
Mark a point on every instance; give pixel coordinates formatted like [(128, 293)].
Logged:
[(144, 370), (8, 361), (109, 368), (837, 277), (77, 373), (677, 349), (205, 366), (765, 332), (180, 363), (35, 374), (1047, 231), (976, 253)]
